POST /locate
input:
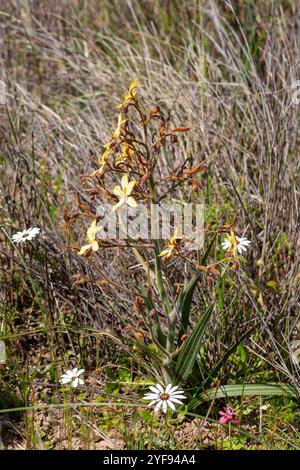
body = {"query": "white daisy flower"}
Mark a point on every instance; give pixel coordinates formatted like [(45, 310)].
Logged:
[(72, 376), (232, 244), (163, 397), (27, 234)]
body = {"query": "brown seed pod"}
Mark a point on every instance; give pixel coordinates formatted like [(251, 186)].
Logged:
[(180, 129), (139, 336), (195, 170), (152, 313), (184, 337)]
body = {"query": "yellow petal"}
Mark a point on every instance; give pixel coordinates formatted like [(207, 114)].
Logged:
[(95, 246), (131, 202), (126, 150), (97, 172), (107, 152), (129, 96), (120, 121), (165, 253), (132, 87), (129, 188), (124, 182), (84, 249), (117, 131), (118, 191), (92, 230)]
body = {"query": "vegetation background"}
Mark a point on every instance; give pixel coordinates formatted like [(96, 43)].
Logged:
[(227, 69)]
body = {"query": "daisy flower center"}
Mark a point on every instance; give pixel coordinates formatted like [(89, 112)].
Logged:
[(25, 234), (164, 396)]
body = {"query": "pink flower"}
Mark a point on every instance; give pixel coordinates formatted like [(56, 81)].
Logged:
[(228, 416)]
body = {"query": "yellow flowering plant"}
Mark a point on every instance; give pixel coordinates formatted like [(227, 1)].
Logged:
[(93, 244), (130, 161)]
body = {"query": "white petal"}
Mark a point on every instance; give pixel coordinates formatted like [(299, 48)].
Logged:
[(226, 245), (75, 382), (79, 372), (245, 247), (16, 236), (174, 400), (241, 245), (64, 375), (160, 388), (173, 389), (155, 389), (75, 370), (176, 393), (164, 406), (151, 396), (81, 382), (65, 380), (181, 397), (168, 388), (153, 402), (171, 405), (19, 237), (157, 408), (243, 240), (30, 237)]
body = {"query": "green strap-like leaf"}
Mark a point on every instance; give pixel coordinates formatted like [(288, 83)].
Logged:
[(269, 389), (188, 354), (186, 296), (184, 305)]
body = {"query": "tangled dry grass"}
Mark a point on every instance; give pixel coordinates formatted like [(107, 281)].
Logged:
[(225, 69)]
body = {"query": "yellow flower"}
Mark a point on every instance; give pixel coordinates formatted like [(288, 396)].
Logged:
[(124, 192), (104, 159), (171, 244), (108, 150), (117, 131), (91, 238), (130, 95)]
